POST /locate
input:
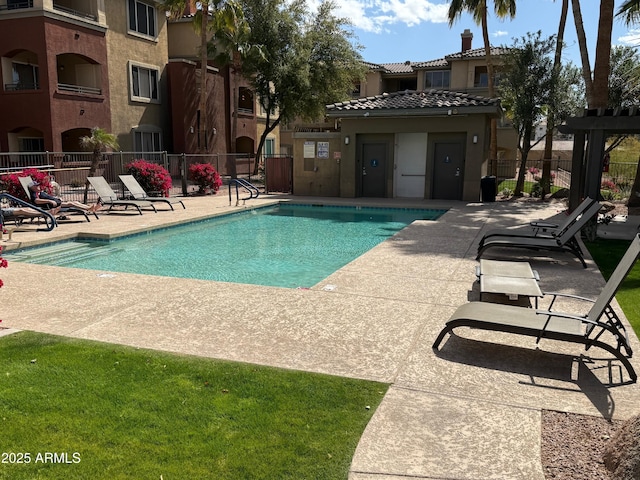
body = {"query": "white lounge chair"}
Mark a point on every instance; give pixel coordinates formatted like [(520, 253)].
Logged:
[(138, 193), (109, 197)]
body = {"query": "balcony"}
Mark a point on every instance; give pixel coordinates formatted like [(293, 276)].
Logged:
[(78, 74), (65, 87), (72, 8), (15, 5), (14, 87)]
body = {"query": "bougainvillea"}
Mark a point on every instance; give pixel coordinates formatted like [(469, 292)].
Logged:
[(151, 176), (11, 182), (205, 176), (3, 263), (609, 185)]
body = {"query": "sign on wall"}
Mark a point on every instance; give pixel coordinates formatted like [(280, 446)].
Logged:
[(309, 149), (323, 149)]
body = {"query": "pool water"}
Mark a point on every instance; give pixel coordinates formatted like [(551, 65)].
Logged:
[(285, 246)]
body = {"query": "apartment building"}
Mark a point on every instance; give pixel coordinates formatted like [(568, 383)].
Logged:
[(70, 65)]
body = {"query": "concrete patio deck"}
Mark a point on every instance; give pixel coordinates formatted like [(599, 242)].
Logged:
[(471, 411)]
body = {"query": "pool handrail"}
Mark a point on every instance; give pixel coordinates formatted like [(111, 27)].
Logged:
[(49, 221), (249, 187)]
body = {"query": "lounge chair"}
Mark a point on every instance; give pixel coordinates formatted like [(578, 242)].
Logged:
[(26, 181), (8, 214), (138, 193), (583, 329), (564, 241), (541, 228), (109, 197)]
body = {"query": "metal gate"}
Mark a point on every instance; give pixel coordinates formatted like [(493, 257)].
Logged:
[(278, 174)]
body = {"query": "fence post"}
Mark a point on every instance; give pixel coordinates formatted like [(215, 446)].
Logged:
[(183, 173)]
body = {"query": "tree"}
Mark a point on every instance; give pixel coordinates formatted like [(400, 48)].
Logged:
[(525, 83), (230, 46), (552, 121), (97, 142), (478, 10), (584, 52), (307, 61), (176, 9), (629, 11), (624, 78)]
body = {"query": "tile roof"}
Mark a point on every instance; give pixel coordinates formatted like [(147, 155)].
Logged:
[(476, 53), (410, 67), (417, 101)]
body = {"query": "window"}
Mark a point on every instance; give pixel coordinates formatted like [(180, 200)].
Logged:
[(269, 147), (31, 144), (437, 79), (24, 76), (144, 84), (245, 100), (147, 141), (142, 18), (481, 78)]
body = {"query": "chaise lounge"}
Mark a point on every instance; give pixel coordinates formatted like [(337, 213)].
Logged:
[(109, 197), (138, 193), (26, 181), (541, 228), (563, 241), (583, 329)]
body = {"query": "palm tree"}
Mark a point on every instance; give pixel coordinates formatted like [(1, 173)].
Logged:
[(176, 9), (630, 12), (551, 117), (97, 142), (478, 9)]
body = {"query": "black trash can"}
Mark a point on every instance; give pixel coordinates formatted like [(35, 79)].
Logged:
[(488, 188)]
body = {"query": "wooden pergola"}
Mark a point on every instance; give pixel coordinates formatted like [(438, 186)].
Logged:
[(592, 130)]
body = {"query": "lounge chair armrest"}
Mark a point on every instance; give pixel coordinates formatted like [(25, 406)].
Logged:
[(543, 224), (555, 295), (568, 316)]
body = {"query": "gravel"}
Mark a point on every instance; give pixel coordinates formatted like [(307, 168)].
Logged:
[(572, 446)]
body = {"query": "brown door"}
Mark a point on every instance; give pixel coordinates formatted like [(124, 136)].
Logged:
[(448, 171), (374, 161)]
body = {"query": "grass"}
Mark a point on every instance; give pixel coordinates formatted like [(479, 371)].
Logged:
[(123, 413), (607, 254), (510, 184)]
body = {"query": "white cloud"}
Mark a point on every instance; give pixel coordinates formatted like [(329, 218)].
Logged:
[(500, 33), (632, 38), (374, 15)]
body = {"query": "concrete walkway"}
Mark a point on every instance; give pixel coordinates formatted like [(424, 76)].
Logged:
[(471, 411)]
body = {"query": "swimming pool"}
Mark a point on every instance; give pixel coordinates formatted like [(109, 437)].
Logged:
[(285, 246)]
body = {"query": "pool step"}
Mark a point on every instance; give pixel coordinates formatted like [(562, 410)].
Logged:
[(62, 254)]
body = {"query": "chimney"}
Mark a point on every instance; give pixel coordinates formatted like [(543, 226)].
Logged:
[(190, 8), (467, 37)]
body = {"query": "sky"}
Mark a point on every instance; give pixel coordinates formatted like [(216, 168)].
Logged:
[(394, 31)]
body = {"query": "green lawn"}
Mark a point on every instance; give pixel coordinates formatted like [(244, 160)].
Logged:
[(607, 254), (113, 412), (510, 184)]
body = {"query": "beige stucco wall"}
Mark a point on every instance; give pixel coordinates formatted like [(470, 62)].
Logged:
[(124, 48), (183, 41), (322, 176), (342, 177)]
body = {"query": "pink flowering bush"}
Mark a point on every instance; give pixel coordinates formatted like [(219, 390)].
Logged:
[(3, 264), (609, 185), (151, 176), (205, 176), (11, 182)]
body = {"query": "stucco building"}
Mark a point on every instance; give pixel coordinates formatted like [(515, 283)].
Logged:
[(70, 65), (418, 130)]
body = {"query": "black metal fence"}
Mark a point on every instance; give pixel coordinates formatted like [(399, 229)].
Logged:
[(616, 184), (70, 169)]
